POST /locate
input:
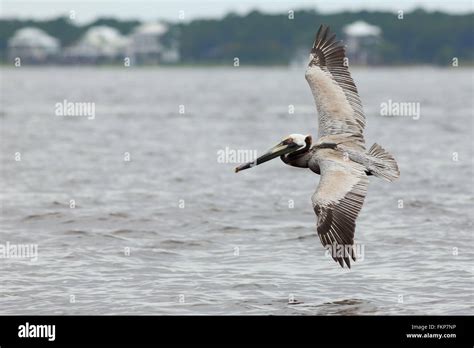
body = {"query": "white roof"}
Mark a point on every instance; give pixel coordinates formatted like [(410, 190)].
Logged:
[(100, 36), (151, 28), (33, 37), (100, 40), (361, 28)]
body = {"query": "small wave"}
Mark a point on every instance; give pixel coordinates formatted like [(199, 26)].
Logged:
[(249, 286), (238, 229), (119, 215), (303, 237), (347, 307), (178, 243), (351, 301), (77, 232), (164, 251), (59, 204), (142, 220), (121, 232), (42, 216), (230, 229)]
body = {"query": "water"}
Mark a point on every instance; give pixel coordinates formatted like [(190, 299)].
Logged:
[(204, 240)]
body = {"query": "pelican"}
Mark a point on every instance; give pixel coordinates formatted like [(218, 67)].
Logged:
[(339, 155)]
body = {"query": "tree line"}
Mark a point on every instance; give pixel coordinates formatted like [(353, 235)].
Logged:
[(420, 37)]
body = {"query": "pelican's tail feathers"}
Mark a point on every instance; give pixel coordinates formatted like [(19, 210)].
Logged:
[(382, 164)]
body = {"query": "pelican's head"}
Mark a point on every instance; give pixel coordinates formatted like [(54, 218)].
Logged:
[(291, 144)]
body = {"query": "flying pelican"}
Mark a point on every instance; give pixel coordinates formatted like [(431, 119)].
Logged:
[(339, 155)]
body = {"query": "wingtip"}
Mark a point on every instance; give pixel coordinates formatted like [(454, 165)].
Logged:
[(327, 49), (348, 263), (322, 32), (344, 261), (323, 27)]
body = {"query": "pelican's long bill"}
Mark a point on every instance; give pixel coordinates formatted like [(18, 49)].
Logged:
[(286, 146)]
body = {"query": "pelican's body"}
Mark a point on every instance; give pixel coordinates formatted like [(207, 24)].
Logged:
[(339, 155)]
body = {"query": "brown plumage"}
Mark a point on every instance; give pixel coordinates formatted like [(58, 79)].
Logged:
[(339, 154)]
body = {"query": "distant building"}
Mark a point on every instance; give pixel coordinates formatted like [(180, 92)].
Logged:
[(100, 44), (147, 45), (33, 45), (362, 40)]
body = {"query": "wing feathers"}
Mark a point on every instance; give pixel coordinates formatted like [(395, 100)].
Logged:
[(337, 203), (335, 93)]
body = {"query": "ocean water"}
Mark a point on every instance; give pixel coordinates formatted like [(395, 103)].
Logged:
[(174, 231)]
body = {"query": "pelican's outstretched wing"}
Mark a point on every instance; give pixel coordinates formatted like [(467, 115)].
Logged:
[(337, 202), (338, 103)]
